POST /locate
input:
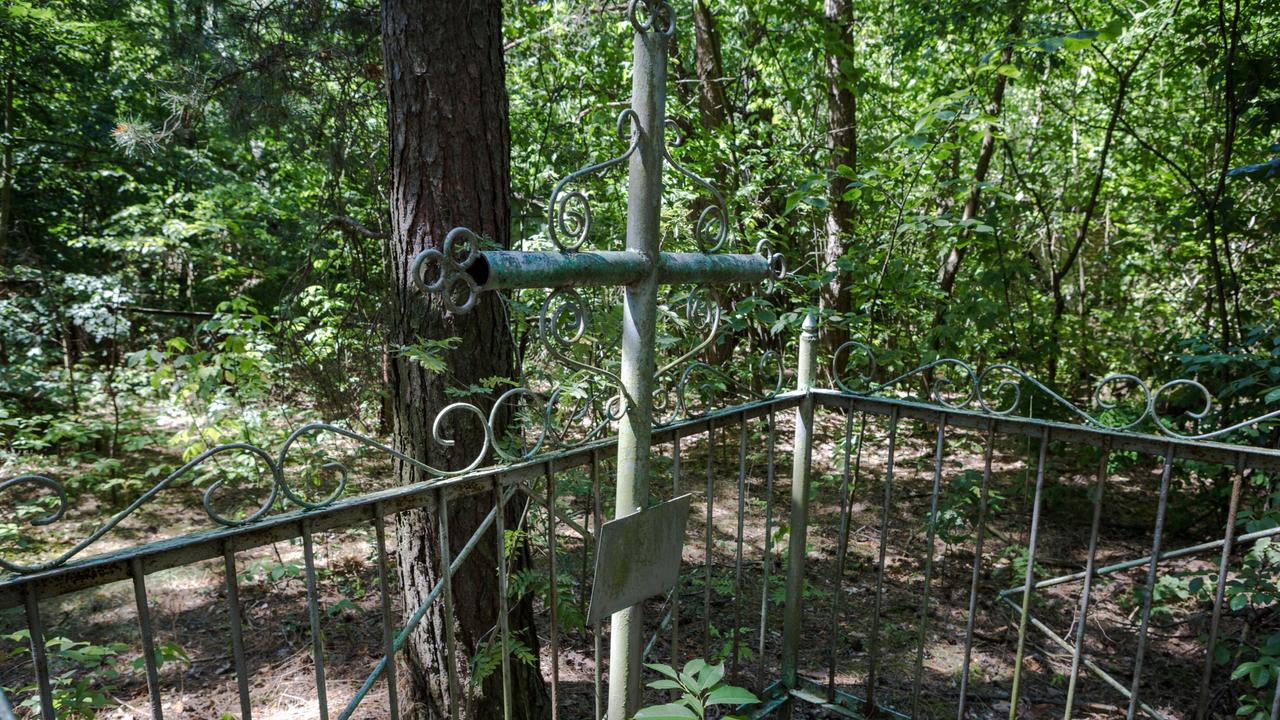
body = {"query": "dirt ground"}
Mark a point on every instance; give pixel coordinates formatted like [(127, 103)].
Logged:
[(189, 605)]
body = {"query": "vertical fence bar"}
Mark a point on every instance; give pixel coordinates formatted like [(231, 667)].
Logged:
[(38, 656), (842, 548), (446, 562), (873, 655), (675, 592), (768, 554), (930, 547), (1156, 537), (148, 636), (237, 638), (708, 547), (553, 587), (737, 557), (979, 531), (388, 644), (597, 517), (313, 613), (1077, 650), (1228, 542), (1030, 577), (504, 625), (802, 454)]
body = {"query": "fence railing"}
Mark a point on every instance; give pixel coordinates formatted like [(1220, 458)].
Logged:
[(941, 557)]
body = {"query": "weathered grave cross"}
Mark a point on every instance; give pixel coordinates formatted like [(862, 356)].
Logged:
[(460, 271)]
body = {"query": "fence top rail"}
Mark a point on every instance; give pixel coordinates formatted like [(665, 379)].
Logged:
[(1215, 451), (353, 511), (341, 513)]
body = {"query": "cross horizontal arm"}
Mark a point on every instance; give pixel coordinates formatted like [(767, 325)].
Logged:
[(511, 269)]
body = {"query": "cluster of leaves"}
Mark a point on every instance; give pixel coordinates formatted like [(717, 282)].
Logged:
[(84, 674), (700, 687)]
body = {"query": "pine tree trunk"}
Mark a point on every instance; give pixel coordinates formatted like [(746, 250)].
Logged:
[(450, 165)]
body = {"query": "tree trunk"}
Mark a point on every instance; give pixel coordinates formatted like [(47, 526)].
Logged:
[(450, 166), (842, 144), (6, 162), (950, 268), (712, 105)]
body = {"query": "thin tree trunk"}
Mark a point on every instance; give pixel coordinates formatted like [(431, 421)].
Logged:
[(6, 163), (449, 166), (1224, 281), (842, 146), (713, 114), (949, 270), (1091, 205)]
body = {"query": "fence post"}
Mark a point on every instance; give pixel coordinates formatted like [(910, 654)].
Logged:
[(800, 472)]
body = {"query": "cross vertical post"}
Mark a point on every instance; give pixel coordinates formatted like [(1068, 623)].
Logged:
[(639, 317), (459, 272)]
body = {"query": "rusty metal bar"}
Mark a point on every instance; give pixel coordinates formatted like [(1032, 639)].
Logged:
[(237, 638), (962, 708), (873, 654), (1030, 573), (1077, 650), (930, 547), (1149, 597), (148, 638), (388, 643), (313, 613)]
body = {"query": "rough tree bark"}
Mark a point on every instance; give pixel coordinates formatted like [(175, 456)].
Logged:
[(712, 104), (450, 164), (842, 145)]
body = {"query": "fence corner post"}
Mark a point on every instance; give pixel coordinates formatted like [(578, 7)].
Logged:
[(802, 456)]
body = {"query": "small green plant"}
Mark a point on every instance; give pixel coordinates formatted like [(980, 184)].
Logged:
[(84, 674), (700, 685)]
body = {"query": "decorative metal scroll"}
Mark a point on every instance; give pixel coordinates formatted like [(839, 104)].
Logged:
[(998, 390), (570, 221)]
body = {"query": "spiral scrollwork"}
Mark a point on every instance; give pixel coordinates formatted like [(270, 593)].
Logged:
[(276, 468), (444, 271), (702, 315), (562, 324), (570, 222), (777, 264), (652, 16), (712, 226), (998, 390)]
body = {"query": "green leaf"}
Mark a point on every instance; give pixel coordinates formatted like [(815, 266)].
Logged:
[(664, 669), (666, 685), (1112, 30), (730, 695), (670, 711), (1080, 39), (710, 676), (1009, 71)]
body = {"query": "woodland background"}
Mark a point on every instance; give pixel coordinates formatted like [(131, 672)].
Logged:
[(194, 225)]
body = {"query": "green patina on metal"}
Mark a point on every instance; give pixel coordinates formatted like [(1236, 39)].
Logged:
[(460, 271)]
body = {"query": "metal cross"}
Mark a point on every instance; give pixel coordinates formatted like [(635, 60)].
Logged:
[(460, 271)]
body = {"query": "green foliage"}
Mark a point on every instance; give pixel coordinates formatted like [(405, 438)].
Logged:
[(83, 675), (700, 687), (959, 508)]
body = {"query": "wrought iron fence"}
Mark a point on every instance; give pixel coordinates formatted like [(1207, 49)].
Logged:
[(924, 558)]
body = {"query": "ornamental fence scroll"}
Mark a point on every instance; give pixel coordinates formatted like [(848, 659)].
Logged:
[(998, 390)]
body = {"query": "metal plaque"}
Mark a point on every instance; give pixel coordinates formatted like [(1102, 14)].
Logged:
[(638, 556)]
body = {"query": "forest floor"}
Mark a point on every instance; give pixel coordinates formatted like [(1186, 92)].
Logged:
[(189, 609)]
